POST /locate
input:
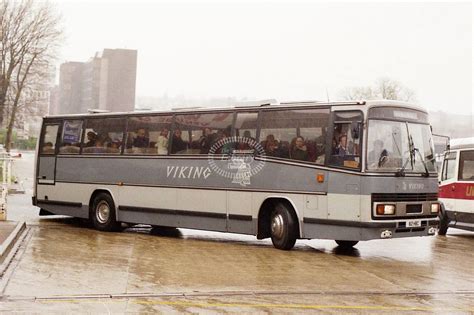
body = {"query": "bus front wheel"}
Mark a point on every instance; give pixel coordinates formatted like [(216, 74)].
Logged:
[(283, 227), (103, 213), (443, 223)]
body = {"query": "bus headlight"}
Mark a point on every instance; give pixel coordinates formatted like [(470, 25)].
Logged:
[(434, 207), (385, 209)]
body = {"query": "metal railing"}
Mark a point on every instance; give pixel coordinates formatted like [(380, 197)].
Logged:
[(6, 162)]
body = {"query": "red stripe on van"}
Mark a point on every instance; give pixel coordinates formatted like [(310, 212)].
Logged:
[(457, 191)]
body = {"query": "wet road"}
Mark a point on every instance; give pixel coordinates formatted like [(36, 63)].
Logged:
[(63, 266)]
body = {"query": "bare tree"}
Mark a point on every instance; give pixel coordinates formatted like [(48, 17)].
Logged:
[(384, 88), (30, 34)]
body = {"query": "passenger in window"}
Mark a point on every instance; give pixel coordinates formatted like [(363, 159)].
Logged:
[(272, 146), (141, 140), (99, 146), (113, 147), (299, 150), (248, 135), (206, 140), (91, 138), (162, 142), (69, 148), (48, 148), (178, 143), (224, 147), (249, 141)]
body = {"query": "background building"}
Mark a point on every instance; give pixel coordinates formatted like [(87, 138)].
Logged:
[(107, 81)]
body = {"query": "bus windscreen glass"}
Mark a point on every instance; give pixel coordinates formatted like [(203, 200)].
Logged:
[(393, 145)]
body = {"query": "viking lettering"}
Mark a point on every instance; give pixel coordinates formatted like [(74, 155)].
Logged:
[(181, 172), (188, 172), (169, 169)]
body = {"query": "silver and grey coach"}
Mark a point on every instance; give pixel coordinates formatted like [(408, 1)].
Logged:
[(347, 171)]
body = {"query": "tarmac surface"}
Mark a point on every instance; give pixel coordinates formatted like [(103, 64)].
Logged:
[(61, 265)]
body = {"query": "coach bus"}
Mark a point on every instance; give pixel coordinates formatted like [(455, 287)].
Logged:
[(346, 171)]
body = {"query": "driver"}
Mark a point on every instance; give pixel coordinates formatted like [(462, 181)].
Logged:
[(378, 154), (343, 148)]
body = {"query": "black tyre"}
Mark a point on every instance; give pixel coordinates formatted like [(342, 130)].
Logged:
[(103, 213), (346, 244), (283, 227), (443, 223)]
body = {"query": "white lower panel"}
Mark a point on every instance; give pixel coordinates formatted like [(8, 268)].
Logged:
[(239, 202), (148, 197), (459, 205), (344, 207), (72, 192), (201, 200), (463, 205)]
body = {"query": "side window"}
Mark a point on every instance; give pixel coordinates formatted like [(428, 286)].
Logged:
[(197, 133), (103, 136), (48, 141), (148, 135), (312, 130), (246, 129), (346, 140), (277, 130), (466, 166), (71, 137), (295, 134), (449, 167)]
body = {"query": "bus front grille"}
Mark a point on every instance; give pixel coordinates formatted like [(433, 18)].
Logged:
[(383, 197)]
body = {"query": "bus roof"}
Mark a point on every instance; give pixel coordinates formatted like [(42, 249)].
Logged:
[(461, 143), (249, 105)]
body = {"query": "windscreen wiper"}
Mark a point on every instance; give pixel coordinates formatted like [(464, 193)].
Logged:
[(411, 149), (427, 173)]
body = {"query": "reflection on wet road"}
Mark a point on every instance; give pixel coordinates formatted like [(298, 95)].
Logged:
[(64, 263)]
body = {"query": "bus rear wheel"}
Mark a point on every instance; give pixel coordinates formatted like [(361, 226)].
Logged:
[(103, 213), (346, 244), (283, 227)]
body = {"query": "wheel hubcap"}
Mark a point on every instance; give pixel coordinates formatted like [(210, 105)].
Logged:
[(103, 212), (277, 226)]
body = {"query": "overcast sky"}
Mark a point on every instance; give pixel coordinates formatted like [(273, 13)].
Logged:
[(282, 50)]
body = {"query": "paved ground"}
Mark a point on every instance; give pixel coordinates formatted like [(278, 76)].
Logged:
[(9, 232), (6, 228), (63, 266)]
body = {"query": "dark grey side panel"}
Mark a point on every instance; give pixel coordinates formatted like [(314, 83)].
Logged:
[(79, 211), (46, 168), (172, 218), (147, 216), (273, 176), (182, 173), (400, 185), (242, 225), (202, 223)]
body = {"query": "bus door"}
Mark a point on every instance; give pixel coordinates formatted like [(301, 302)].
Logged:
[(47, 154), (447, 184), (344, 153)]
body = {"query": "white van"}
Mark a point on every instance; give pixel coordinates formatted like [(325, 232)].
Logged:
[(456, 186)]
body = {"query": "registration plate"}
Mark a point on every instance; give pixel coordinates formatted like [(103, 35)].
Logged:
[(412, 224)]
